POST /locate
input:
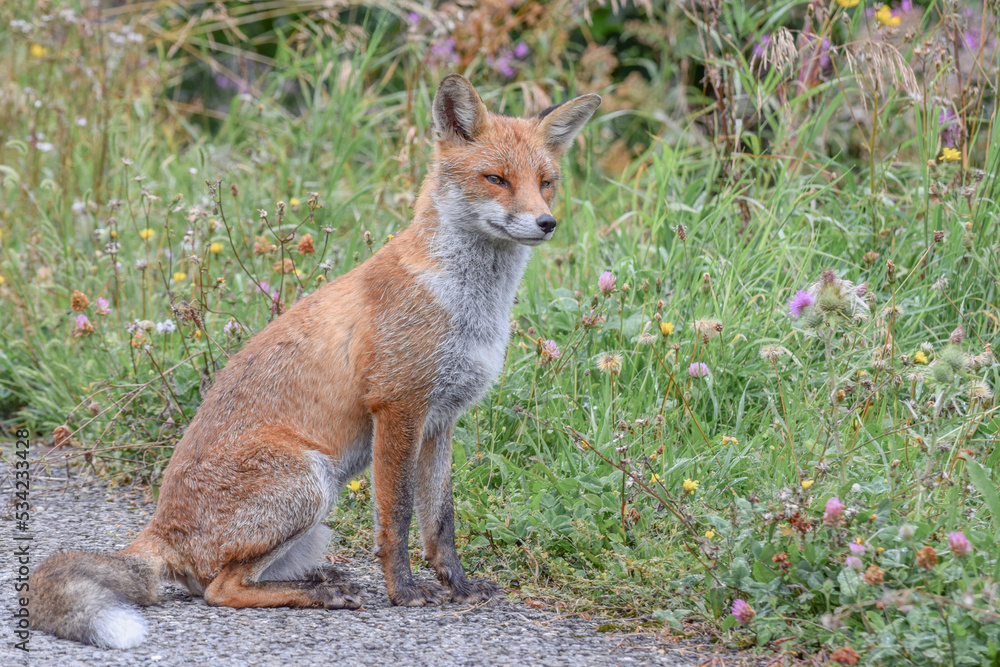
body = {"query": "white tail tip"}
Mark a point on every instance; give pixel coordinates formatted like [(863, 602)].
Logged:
[(119, 628)]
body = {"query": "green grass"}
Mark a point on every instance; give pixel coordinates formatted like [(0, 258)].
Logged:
[(694, 226)]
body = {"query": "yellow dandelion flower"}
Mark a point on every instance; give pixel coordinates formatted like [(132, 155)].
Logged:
[(920, 358), (298, 272), (38, 51), (807, 484), (666, 328), (858, 540), (216, 248), (847, 4), (180, 276), (879, 550), (294, 201), (2, 280), (950, 154), (355, 485), (709, 534), (146, 233), (885, 17), (654, 479), (197, 334), (690, 485), (389, 237)]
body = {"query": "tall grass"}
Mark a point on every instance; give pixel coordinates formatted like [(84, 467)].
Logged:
[(665, 446)]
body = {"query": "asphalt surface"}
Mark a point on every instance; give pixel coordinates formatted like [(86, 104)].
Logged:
[(85, 515)]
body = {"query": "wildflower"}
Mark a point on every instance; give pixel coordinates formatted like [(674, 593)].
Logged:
[(79, 301), (146, 234), (548, 350), (285, 266), (646, 338), (606, 283), (180, 276), (959, 544), (927, 558), (709, 534), (743, 612), (654, 478), (666, 328), (857, 549), (610, 363), (920, 358), (294, 201), (949, 129), (83, 326), (957, 336), (708, 328), (698, 369), (102, 306), (907, 531), (216, 248), (885, 17), (807, 484), (834, 511), (726, 440), (847, 4), (800, 302), (354, 485), (690, 485), (232, 328), (262, 246), (979, 392), (37, 51), (874, 575), (166, 327), (846, 655), (949, 154), (854, 563), (306, 245), (771, 352), (521, 50)]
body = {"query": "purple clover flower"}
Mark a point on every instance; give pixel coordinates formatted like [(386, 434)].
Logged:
[(102, 306), (854, 563), (698, 369), (857, 549), (549, 350), (959, 544), (834, 511), (743, 612), (606, 283)]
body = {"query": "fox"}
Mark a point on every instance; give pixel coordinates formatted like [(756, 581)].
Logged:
[(373, 369)]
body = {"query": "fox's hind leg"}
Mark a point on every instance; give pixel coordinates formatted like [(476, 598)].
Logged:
[(436, 516)]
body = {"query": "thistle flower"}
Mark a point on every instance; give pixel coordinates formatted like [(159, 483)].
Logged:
[(698, 369), (606, 283), (800, 302), (78, 301), (743, 612), (548, 350), (102, 306), (836, 296), (834, 511), (609, 363), (959, 544)]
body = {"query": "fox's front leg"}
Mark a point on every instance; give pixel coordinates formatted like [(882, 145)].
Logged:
[(436, 516), (397, 440)]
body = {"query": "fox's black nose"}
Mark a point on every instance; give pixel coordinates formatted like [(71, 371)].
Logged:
[(546, 222)]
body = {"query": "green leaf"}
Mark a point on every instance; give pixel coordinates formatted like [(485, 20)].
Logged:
[(977, 474)]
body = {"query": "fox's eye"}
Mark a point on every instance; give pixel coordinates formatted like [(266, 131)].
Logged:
[(496, 180), (546, 184)]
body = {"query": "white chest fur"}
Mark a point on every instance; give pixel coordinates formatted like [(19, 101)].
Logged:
[(476, 287)]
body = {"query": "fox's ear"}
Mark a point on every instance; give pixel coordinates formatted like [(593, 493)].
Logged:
[(458, 112), (560, 124)]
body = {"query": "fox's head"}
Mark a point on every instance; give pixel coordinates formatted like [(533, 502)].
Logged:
[(497, 175)]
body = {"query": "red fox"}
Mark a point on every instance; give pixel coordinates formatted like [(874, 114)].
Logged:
[(372, 369)]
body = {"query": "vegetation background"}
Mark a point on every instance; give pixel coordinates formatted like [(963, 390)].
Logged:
[(749, 390)]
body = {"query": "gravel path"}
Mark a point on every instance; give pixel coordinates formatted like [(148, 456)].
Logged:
[(185, 631)]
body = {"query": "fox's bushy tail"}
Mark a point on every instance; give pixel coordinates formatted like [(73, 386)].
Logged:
[(90, 598)]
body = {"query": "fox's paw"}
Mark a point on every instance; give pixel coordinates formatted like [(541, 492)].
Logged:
[(474, 590), (339, 595), (418, 595)]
